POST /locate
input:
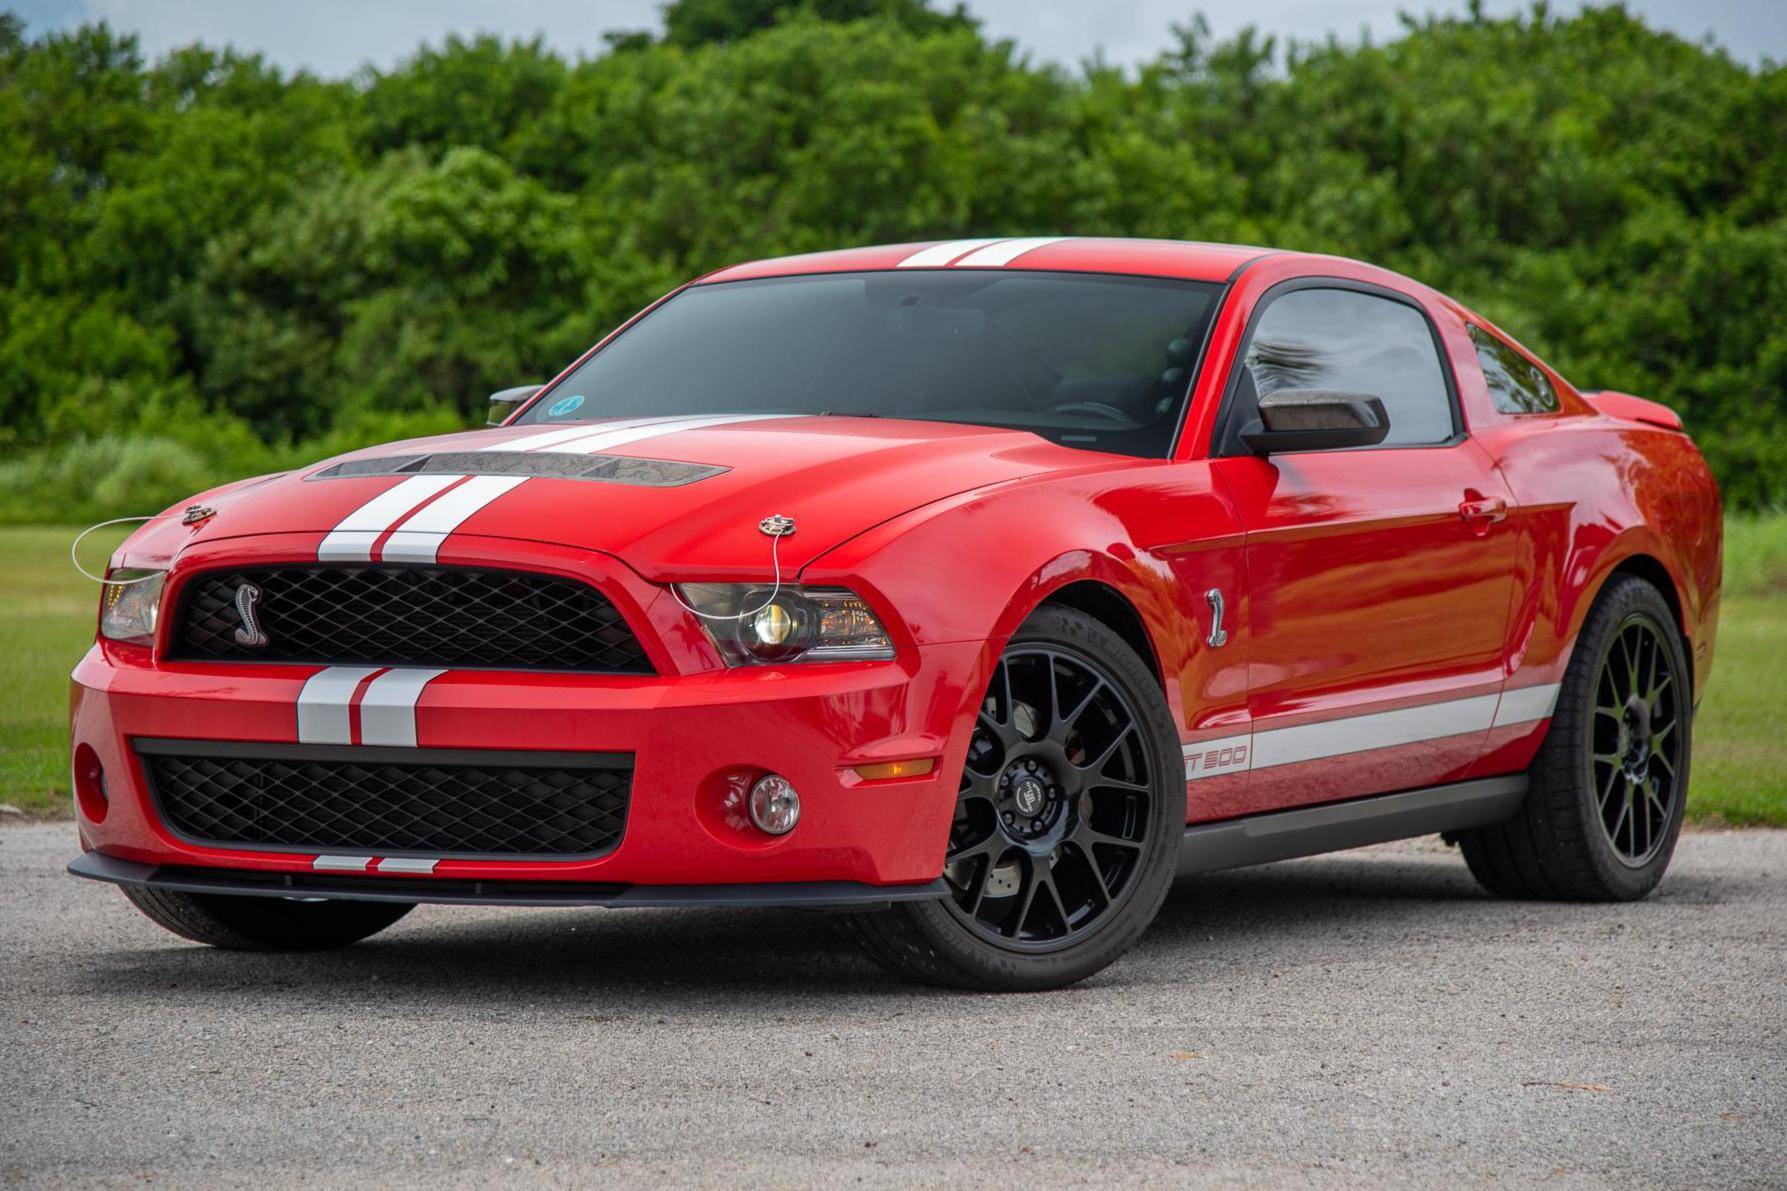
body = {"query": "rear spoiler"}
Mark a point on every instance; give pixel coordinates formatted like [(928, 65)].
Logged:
[(1634, 409)]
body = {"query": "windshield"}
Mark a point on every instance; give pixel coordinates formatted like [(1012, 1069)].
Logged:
[(1082, 359)]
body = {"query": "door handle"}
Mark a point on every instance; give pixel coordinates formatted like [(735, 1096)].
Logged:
[(1482, 511)]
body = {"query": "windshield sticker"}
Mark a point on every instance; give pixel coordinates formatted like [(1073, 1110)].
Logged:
[(565, 405)]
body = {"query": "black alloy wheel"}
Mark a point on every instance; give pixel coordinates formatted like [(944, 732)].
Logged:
[(1067, 823), (1052, 817), (1636, 756), (1608, 789)]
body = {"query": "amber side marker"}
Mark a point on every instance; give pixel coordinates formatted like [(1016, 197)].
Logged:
[(883, 770)]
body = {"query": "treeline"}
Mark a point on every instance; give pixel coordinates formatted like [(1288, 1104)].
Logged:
[(209, 267)]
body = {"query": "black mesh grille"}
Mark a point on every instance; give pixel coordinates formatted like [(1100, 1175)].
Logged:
[(409, 616), (493, 806)]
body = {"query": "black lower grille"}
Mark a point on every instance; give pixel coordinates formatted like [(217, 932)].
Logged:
[(404, 616), (381, 801)]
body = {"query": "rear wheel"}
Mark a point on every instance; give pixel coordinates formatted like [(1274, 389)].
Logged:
[(1071, 804), (264, 923), (1609, 786)]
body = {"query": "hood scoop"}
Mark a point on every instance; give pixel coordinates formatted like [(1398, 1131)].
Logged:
[(605, 469)]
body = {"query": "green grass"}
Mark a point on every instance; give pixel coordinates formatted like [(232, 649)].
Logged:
[(46, 622), (1740, 753)]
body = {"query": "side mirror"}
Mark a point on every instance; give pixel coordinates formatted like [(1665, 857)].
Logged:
[(1316, 420), (504, 401)]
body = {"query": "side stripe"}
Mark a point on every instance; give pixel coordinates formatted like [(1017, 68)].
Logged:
[(1378, 730), (1270, 747), (939, 255), (998, 255), (323, 704), (1524, 705), (353, 538), (388, 708)]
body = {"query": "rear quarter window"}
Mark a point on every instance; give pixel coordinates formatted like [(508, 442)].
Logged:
[(1516, 384)]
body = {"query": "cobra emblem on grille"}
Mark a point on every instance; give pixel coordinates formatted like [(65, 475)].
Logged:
[(247, 596)]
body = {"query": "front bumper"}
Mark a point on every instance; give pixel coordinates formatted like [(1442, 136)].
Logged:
[(685, 733)]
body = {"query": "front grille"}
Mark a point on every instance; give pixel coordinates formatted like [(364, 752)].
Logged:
[(408, 616), (382, 801)]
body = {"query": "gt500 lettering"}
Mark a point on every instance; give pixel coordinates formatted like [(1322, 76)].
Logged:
[(1203, 760)]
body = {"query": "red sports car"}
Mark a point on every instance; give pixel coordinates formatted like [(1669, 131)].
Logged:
[(972, 589)]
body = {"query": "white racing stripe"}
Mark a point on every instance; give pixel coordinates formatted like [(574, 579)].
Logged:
[(420, 537), (564, 434), (421, 528), (342, 864), (996, 256), (353, 538), (939, 255), (324, 701), (1270, 747), (388, 708), (608, 437)]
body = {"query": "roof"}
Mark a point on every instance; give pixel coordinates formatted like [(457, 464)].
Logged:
[(1069, 254)]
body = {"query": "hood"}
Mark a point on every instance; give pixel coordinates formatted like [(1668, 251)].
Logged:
[(675, 498)]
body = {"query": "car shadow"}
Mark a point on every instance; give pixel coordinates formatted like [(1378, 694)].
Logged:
[(699, 960)]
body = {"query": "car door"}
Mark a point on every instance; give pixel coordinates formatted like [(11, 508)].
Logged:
[(1379, 579)]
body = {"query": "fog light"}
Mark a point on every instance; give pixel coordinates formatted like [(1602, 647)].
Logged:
[(775, 807)]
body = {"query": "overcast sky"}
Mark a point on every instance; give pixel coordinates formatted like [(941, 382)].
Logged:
[(333, 37)]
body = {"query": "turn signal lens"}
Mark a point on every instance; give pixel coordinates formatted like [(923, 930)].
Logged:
[(884, 770), (775, 807)]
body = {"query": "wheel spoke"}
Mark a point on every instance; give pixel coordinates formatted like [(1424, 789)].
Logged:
[(1612, 785), (1097, 870), (989, 847), (1110, 751), (1073, 717), (1027, 894)]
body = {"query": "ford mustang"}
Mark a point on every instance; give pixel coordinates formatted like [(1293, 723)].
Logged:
[(968, 591)]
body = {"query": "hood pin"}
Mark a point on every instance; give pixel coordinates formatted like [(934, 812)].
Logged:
[(776, 525)]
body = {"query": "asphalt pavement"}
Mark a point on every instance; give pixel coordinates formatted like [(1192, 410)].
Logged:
[(1365, 1019)]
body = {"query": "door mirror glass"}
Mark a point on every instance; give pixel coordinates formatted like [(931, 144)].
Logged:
[(504, 401), (1316, 420)]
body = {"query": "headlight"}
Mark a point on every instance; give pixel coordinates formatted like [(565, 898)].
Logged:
[(128, 606), (808, 624)]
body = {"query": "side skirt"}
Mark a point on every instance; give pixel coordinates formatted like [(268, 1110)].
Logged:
[(1309, 831)]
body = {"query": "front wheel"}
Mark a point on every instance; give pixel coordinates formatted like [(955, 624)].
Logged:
[(1609, 785), (1070, 809), (264, 923)]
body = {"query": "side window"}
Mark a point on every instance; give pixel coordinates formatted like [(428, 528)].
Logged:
[(1356, 343), (1515, 383)]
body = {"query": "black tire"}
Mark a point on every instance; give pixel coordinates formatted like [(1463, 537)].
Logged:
[(1579, 835), (1106, 843), (264, 923)]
